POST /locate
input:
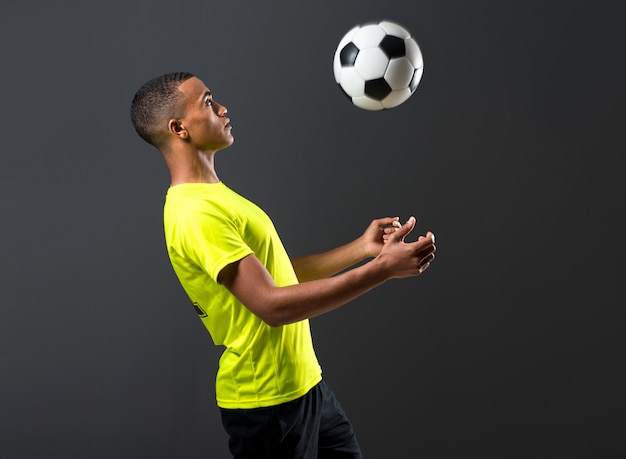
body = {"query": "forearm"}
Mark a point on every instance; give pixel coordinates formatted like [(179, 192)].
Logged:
[(322, 265), (252, 284), (368, 245), (284, 305)]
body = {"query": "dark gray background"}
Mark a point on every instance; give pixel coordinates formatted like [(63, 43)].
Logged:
[(511, 151)]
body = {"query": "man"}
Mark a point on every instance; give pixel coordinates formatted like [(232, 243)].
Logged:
[(252, 298)]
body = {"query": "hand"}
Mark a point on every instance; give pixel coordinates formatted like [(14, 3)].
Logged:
[(404, 259), (390, 229), (377, 234)]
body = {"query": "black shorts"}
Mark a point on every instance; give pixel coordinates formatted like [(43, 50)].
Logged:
[(310, 427)]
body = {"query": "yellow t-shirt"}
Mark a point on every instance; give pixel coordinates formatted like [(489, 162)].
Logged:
[(207, 227)]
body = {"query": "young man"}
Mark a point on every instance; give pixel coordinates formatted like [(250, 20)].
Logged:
[(252, 298)]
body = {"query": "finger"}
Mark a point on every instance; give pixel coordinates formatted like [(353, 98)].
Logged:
[(425, 253), (393, 225), (429, 235), (387, 221), (424, 247), (427, 259), (404, 230), (390, 229), (428, 239), (425, 263)]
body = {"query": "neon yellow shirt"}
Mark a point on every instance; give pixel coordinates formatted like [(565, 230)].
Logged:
[(207, 227)]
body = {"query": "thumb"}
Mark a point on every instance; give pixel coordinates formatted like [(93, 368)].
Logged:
[(404, 230)]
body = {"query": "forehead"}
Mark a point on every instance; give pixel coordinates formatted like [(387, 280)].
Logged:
[(193, 88)]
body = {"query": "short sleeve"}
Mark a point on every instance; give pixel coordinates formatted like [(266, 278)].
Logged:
[(212, 239)]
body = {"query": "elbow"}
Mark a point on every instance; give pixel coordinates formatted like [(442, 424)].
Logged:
[(274, 323), (273, 319), (274, 311)]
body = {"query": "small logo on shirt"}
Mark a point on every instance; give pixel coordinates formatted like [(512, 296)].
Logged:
[(199, 310)]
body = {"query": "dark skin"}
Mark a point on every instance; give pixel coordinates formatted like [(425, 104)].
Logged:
[(189, 154)]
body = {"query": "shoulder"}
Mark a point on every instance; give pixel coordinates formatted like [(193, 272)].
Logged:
[(192, 200)]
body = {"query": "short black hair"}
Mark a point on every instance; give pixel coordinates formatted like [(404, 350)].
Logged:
[(155, 103)]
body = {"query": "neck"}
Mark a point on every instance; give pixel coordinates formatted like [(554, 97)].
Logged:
[(196, 167)]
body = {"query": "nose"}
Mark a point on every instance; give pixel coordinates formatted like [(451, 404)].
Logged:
[(220, 109)]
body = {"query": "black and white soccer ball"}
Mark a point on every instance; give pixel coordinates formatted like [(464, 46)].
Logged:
[(378, 65)]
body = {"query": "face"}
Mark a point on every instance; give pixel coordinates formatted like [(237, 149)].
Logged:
[(205, 120)]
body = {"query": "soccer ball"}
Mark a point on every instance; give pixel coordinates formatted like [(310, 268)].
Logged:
[(378, 65)]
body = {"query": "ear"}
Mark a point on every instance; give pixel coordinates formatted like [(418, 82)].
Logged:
[(176, 128)]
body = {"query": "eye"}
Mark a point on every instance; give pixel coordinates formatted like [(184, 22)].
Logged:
[(208, 102)]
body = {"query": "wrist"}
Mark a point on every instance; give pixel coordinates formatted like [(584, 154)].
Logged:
[(380, 268), (364, 248)]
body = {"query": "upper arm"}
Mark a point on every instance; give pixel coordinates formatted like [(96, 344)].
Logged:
[(250, 282)]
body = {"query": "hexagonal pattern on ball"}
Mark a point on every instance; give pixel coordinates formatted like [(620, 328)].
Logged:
[(378, 65), (352, 83), (371, 63), (348, 54), (417, 76), (368, 36), (395, 98), (413, 53), (377, 89), (393, 46), (399, 73), (391, 28), (366, 103)]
